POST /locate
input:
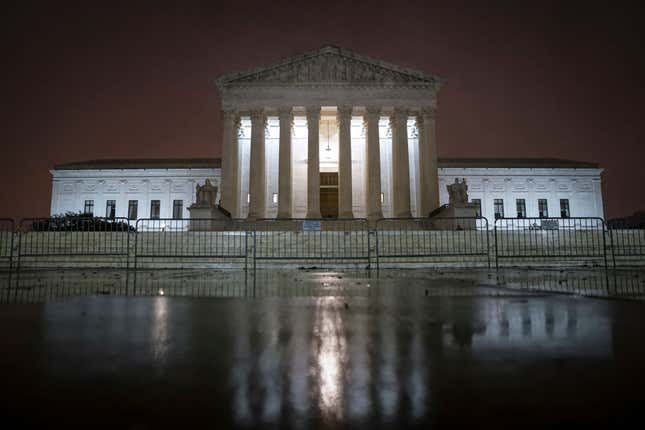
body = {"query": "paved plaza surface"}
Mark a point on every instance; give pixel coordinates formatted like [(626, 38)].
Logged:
[(312, 349)]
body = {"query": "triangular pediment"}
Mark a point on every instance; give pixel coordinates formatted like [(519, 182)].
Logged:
[(328, 65)]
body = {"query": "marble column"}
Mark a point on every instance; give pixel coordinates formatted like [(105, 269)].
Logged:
[(373, 165), (428, 168), (400, 164), (344, 118), (284, 164), (257, 179), (313, 162), (228, 160)]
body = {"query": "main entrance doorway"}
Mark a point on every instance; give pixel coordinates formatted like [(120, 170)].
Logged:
[(329, 194)]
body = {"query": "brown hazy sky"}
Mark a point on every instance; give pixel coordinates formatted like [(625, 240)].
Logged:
[(83, 82)]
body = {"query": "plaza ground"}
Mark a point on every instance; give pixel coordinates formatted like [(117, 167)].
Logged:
[(308, 348)]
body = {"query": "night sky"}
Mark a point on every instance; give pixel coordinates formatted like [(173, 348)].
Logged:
[(83, 82)]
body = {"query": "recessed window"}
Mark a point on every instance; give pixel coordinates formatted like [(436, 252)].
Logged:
[(88, 209), (499, 208), (520, 205), (155, 209), (133, 209), (177, 209), (543, 208), (110, 209), (564, 208), (275, 197), (478, 202)]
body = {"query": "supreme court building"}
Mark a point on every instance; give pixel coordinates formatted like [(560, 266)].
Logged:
[(329, 133)]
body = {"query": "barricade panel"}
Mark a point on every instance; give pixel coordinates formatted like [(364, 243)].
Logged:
[(550, 242), (312, 242), (73, 241), (7, 233), (432, 242)]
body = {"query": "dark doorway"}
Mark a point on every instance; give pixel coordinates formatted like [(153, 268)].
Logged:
[(329, 194)]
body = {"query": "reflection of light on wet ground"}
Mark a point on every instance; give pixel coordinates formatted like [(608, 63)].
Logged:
[(330, 356), (160, 329)]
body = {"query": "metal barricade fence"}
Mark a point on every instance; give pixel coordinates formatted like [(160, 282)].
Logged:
[(552, 241), (7, 229), (179, 243), (73, 241), (449, 242), (627, 243), (319, 242)]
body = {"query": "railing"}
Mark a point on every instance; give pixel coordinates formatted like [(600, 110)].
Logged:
[(7, 229), (241, 244), (550, 241), (318, 242), (453, 242), (627, 244), (58, 243), (173, 243)]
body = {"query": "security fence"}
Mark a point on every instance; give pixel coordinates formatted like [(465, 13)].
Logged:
[(627, 244), (314, 242), (7, 229), (550, 241), (73, 242), (179, 243), (452, 242), (80, 241)]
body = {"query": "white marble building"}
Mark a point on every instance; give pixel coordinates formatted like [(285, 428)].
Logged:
[(328, 133), (75, 185)]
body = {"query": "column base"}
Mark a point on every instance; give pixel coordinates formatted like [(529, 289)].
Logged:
[(349, 214), (313, 214), (284, 215), (406, 214)]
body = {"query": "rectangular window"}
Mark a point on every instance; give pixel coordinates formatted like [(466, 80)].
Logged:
[(564, 208), (155, 209), (543, 208), (478, 202), (133, 209), (521, 208), (110, 209), (177, 209), (89, 207), (499, 208)]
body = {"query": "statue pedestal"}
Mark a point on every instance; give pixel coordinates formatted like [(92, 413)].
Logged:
[(202, 216), (457, 216)]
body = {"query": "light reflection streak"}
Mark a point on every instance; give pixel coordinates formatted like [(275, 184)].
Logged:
[(331, 356), (160, 330)]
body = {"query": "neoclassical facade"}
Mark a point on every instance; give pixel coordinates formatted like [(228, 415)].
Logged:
[(328, 133), (323, 118)]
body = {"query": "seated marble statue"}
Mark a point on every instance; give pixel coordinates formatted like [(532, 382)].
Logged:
[(457, 192), (206, 194)]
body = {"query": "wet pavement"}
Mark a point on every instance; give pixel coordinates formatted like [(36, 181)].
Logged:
[(304, 349)]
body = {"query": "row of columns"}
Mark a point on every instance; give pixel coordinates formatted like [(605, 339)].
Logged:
[(428, 173)]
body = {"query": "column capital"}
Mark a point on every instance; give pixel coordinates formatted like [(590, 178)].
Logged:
[(344, 111), (399, 115), (428, 113), (285, 111), (372, 111), (312, 113), (257, 113), (229, 112)]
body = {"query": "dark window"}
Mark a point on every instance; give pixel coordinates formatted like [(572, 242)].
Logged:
[(89, 207), (133, 209), (155, 206), (499, 208), (478, 202), (177, 209), (564, 208), (543, 208), (521, 208), (110, 209)]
